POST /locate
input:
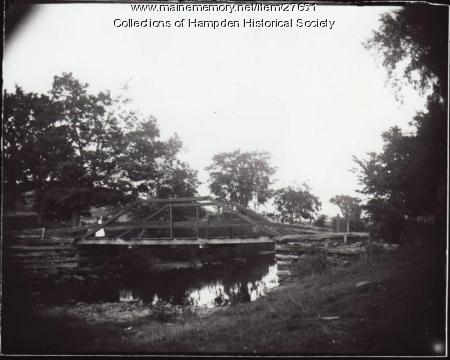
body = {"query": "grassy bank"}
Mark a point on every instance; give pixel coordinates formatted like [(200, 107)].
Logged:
[(383, 304)]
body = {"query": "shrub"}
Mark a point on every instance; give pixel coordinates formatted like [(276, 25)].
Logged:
[(311, 265)]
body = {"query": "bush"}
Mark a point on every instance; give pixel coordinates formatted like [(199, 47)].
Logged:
[(311, 265)]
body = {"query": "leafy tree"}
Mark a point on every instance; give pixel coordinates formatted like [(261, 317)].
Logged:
[(321, 220), (32, 146), (339, 224), (408, 178), (348, 205), (415, 38), (241, 176), (296, 203), (76, 149)]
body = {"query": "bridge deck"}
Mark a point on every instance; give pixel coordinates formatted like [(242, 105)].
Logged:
[(174, 242)]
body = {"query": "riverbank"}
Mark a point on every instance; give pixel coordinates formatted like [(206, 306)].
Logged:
[(387, 303)]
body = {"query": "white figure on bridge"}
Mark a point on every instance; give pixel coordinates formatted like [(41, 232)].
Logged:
[(100, 232)]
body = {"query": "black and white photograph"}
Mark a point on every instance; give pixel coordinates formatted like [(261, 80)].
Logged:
[(225, 178)]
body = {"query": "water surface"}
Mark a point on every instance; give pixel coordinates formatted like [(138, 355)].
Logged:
[(237, 281)]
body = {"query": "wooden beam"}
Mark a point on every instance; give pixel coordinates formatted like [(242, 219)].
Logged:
[(170, 221), (244, 217), (301, 227), (152, 215), (191, 224), (114, 217), (174, 200), (196, 204), (172, 242), (320, 236), (197, 230), (250, 211)]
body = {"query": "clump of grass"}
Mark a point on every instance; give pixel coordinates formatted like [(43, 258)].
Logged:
[(165, 312), (315, 264), (375, 255)]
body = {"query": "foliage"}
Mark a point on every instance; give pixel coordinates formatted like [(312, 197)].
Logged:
[(163, 312), (414, 37), (76, 149), (312, 264), (296, 203), (321, 220), (408, 178), (340, 224), (30, 144), (241, 176), (348, 205)]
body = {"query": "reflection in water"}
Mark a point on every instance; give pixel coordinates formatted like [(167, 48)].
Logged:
[(218, 295), (126, 295), (209, 287), (239, 280)]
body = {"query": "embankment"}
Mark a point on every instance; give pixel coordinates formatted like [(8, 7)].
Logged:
[(385, 303)]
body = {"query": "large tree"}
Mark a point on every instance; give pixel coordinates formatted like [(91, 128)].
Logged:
[(408, 178), (412, 43), (294, 203), (348, 205), (32, 145), (76, 149), (350, 208), (241, 176)]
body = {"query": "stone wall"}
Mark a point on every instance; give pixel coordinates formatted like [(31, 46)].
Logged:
[(31, 259)]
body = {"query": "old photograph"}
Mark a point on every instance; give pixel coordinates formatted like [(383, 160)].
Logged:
[(208, 178)]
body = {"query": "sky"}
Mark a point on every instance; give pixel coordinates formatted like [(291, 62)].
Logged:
[(311, 97)]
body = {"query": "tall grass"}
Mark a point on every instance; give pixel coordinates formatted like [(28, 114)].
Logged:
[(314, 264)]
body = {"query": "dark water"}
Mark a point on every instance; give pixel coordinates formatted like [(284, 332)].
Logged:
[(242, 280), (210, 286)]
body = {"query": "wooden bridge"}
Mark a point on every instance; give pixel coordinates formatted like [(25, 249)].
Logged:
[(187, 221), (77, 252)]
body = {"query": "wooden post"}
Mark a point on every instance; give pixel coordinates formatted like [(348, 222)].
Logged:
[(348, 230), (197, 230), (170, 220)]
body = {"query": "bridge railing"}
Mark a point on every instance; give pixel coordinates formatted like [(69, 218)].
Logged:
[(167, 219)]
